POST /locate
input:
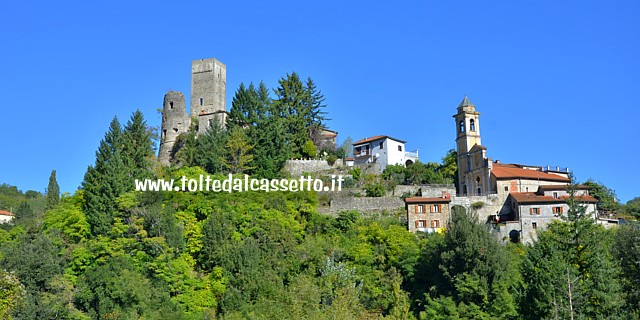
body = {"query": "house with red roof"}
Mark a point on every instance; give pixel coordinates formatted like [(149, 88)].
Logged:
[(6, 216)]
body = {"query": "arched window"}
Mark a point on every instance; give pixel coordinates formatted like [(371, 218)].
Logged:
[(472, 125), (462, 126), (478, 187), (464, 189)]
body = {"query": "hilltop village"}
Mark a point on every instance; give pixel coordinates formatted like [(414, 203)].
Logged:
[(515, 199), (468, 238)]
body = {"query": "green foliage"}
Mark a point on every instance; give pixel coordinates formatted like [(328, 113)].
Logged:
[(374, 190), (69, 219), (355, 173), (105, 181), (53, 191), (632, 208), (309, 150), (238, 156), (211, 149), (607, 199), (12, 294), (137, 147), (572, 258)]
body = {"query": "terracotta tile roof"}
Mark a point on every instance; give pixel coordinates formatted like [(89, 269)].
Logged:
[(374, 138), (530, 197), (349, 159), (509, 171), (560, 187), (426, 200), (5, 213)]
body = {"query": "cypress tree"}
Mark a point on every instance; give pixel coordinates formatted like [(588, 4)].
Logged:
[(53, 191)]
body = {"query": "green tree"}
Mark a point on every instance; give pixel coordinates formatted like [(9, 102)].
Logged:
[(607, 200), (569, 270), (211, 148), (137, 147), (12, 294), (627, 250), (309, 150), (238, 157), (105, 181), (53, 191), (473, 270)]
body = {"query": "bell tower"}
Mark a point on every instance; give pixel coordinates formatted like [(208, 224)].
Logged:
[(474, 168), (467, 126)]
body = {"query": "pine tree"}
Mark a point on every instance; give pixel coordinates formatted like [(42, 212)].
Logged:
[(211, 148), (53, 191), (137, 147), (292, 105), (105, 181)]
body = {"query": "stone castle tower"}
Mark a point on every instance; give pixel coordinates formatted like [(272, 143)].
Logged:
[(474, 168), (208, 98), (208, 92)]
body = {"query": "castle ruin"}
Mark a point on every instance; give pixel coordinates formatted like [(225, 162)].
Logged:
[(207, 104)]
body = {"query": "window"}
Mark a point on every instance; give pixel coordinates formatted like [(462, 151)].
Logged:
[(175, 129), (464, 189), (164, 133), (478, 187), (171, 104), (419, 208), (472, 125), (558, 210), (357, 150), (436, 208), (435, 223), (534, 210), (421, 223), (506, 188), (201, 101), (399, 148), (461, 126), (534, 225), (381, 145), (555, 195)]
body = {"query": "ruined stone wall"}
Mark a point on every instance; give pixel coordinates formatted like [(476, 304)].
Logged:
[(175, 121)]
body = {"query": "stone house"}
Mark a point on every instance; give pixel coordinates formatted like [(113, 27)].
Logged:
[(428, 214), (535, 210), (384, 151)]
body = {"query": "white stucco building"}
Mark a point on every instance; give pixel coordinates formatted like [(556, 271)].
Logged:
[(383, 150)]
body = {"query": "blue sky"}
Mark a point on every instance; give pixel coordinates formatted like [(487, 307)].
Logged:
[(556, 82)]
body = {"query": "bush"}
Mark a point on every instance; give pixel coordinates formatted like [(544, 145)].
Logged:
[(374, 190), (331, 159), (355, 173)]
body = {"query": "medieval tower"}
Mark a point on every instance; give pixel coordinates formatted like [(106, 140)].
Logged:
[(208, 98), (208, 92), (474, 168), (175, 121)]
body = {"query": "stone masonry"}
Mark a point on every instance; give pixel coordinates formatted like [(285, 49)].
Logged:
[(175, 121), (208, 100)]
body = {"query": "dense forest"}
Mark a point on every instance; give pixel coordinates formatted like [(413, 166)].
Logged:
[(107, 252)]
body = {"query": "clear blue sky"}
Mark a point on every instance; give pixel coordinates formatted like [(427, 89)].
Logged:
[(556, 82)]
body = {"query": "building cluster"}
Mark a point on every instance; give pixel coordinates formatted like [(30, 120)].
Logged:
[(518, 198)]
